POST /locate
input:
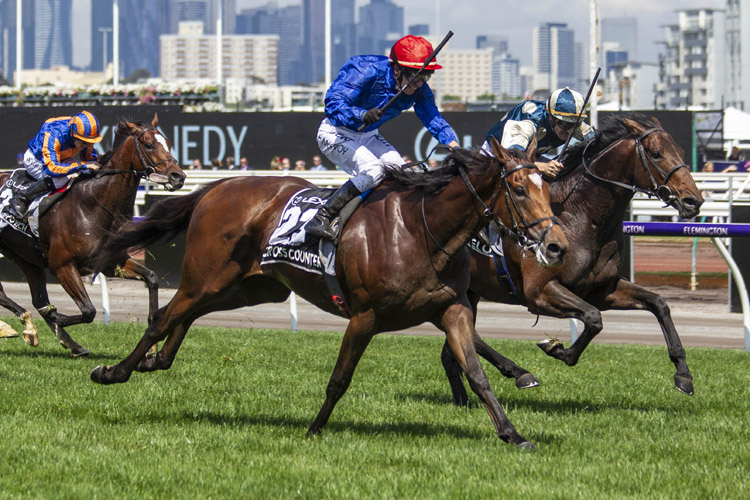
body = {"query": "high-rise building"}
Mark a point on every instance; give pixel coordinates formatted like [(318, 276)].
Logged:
[(554, 56), (343, 42), (738, 60), (466, 74), (52, 33), (622, 31), (419, 29), (693, 66), (381, 23), (286, 22), (497, 43), (192, 54)]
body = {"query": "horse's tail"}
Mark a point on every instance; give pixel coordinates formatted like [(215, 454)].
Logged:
[(162, 222)]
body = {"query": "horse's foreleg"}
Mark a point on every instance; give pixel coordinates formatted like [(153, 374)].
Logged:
[(557, 301), (627, 296), (132, 270), (457, 323), (357, 337)]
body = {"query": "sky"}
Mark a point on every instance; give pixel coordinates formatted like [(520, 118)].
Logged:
[(469, 18)]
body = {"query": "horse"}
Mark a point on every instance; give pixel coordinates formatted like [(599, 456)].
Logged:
[(75, 228), (401, 260), (631, 153)]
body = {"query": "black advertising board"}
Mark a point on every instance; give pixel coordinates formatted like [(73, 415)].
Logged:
[(260, 136)]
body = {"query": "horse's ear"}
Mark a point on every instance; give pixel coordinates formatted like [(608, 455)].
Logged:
[(155, 121), (656, 121), (634, 127), (531, 150), (499, 151)]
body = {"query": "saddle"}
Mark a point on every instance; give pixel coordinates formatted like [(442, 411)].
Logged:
[(291, 245), (16, 184)]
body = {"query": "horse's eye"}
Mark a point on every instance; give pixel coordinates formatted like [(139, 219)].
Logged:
[(519, 191), (149, 145), (654, 154)]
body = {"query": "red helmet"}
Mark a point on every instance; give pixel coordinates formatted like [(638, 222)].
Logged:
[(411, 52)]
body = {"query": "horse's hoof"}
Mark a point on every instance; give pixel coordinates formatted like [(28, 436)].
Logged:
[(551, 347), (96, 374), (684, 384), (79, 352), (31, 339), (526, 445), (526, 381)]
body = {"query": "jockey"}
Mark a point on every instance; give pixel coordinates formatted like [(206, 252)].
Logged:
[(50, 156), (552, 122), (364, 85)]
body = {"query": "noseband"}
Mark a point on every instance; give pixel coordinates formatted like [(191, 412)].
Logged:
[(660, 191)]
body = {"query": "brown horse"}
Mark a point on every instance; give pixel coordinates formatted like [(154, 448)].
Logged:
[(401, 261), (74, 229), (632, 152)]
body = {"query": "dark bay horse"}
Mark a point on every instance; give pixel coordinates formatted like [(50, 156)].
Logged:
[(401, 261), (74, 229), (631, 152)]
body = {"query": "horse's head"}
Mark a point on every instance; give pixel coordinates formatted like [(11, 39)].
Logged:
[(151, 154), (663, 163), (650, 159), (525, 208)]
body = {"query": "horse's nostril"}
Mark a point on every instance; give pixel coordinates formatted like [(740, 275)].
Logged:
[(554, 249)]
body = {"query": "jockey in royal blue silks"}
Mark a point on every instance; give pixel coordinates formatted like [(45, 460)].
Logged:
[(551, 121), (48, 158), (364, 85)]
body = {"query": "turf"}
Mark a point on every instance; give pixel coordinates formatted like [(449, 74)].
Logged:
[(228, 420)]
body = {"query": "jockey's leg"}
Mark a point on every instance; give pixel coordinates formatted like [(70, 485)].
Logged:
[(21, 202)]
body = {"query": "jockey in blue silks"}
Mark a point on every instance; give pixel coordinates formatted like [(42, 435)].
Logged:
[(364, 85), (551, 121), (51, 155)]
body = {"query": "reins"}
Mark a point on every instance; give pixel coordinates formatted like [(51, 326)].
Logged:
[(489, 217), (660, 191), (149, 167)]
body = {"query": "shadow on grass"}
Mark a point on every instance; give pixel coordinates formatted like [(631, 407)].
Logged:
[(35, 352), (526, 401)]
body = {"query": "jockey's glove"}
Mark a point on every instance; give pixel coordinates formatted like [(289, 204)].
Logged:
[(371, 116)]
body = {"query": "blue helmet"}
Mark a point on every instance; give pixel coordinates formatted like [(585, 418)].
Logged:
[(565, 104)]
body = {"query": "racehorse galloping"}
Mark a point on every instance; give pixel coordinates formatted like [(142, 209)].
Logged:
[(631, 153), (401, 261), (74, 229)]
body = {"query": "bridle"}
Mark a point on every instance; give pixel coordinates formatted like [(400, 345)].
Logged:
[(660, 191), (517, 231), (149, 167)]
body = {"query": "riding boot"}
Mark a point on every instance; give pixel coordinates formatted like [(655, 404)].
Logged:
[(20, 203), (321, 224)]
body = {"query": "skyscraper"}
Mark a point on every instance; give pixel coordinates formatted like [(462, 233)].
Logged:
[(554, 54), (624, 32), (313, 38), (285, 22), (381, 23), (52, 33)]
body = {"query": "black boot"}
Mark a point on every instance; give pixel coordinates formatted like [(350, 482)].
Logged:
[(20, 203), (320, 225)]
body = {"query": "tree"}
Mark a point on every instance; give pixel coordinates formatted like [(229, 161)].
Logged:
[(137, 75)]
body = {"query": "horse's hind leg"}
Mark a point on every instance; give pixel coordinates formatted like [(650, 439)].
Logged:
[(132, 270), (358, 334), (39, 297), (30, 334), (628, 296)]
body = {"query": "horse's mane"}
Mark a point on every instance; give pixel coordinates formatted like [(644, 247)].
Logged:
[(612, 130), (122, 132), (434, 181)]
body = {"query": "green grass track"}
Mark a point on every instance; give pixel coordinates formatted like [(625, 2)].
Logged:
[(228, 420)]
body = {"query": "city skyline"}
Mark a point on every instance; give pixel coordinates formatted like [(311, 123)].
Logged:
[(472, 20)]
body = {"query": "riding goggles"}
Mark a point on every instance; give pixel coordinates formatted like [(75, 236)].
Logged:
[(424, 76), (563, 125)]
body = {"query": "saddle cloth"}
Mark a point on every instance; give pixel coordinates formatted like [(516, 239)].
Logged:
[(290, 244), (494, 248), (19, 179)]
